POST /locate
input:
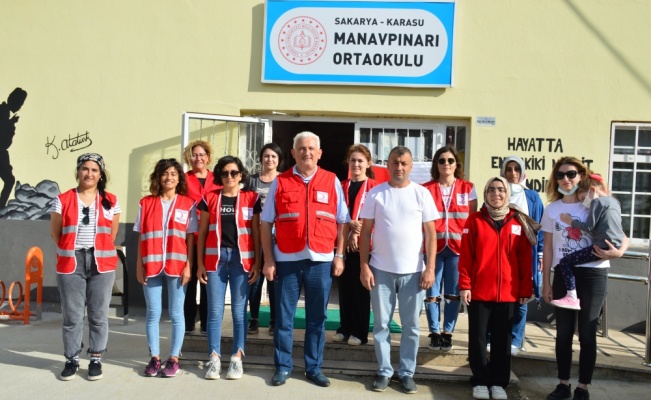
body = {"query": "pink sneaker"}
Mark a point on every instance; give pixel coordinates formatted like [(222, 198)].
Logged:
[(171, 368), (567, 302), (153, 367)]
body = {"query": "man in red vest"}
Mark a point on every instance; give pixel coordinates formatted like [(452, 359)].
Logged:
[(308, 208)]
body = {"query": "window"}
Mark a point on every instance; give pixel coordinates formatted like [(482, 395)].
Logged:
[(630, 180), (423, 141)]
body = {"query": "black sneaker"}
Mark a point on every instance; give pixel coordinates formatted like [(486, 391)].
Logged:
[(435, 341), (69, 371), (581, 394), (446, 341), (272, 327), (253, 326), (562, 392), (95, 370)]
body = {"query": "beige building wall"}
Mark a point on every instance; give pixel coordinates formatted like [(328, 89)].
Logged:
[(126, 71)]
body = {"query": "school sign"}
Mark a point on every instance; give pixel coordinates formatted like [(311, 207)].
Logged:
[(376, 43)]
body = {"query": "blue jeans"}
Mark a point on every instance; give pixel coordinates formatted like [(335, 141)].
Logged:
[(290, 277), (446, 280), (229, 272), (519, 321), (406, 288), (88, 289), (154, 299)]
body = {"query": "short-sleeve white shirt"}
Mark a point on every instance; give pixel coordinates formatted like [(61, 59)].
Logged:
[(398, 214)]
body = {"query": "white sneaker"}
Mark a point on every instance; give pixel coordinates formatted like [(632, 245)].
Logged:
[(488, 348), (353, 341), (338, 337), (235, 368), (498, 392), (514, 350), (480, 392), (213, 369)]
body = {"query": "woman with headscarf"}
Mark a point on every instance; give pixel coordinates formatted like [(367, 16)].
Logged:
[(84, 223), (530, 203), (494, 276)]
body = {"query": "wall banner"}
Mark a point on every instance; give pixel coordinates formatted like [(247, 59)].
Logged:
[(375, 43)]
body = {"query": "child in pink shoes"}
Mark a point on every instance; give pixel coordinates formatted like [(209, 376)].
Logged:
[(604, 224)]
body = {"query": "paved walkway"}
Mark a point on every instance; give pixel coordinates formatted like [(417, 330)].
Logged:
[(31, 361)]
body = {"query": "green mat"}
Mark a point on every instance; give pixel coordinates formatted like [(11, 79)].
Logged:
[(332, 322)]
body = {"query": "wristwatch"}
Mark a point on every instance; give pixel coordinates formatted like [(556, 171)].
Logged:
[(342, 256)]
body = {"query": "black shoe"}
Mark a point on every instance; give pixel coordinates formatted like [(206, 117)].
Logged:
[(435, 341), (381, 383), (272, 327), (446, 341), (279, 378), (581, 394), (95, 370), (319, 379), (562, 392), (253, 326), (408, 385), (69, 371)]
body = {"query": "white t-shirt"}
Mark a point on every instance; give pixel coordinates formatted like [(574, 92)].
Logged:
[(565, 238), (399, 214)]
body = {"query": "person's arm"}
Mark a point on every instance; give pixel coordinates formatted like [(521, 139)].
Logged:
[(187, 270), (255, 231), (366, 275), (56, 224), (524, 261), (204, 224), (427, 277), (338, 262), (269, 267), (612, 252), (115, 226), (548, 254), (596, 208), (473, 206), (466, 261)]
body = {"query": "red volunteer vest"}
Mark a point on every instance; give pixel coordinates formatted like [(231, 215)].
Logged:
[(359, 199), (306, 214), (450, 226), (159, 252), (243, 216), (197, 192), (106, 257)]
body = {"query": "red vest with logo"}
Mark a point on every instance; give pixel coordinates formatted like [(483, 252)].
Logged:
[(306, 214), (450, 226), (160, 250), (359, 199), (106, 257), (244, 218), (197, 192)]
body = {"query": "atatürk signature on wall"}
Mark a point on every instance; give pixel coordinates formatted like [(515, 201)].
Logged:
[(71, 143)]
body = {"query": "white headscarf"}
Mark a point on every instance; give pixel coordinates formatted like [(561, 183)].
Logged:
[(518, 196)]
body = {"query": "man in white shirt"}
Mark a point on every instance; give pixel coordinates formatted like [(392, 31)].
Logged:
[(400, 211)]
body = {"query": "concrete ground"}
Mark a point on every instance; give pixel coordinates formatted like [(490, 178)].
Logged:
[(31, 361)]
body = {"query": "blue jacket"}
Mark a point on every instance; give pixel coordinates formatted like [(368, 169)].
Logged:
[(536, 209)]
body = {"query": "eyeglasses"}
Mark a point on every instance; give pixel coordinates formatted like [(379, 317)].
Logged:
[(570, 175), (166, 160), (201, 155), (233, 173), (450, 161), (496, 190), (86, 218)]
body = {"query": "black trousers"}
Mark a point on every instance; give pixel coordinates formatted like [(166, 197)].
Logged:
[(591, 289), (485, 316), (190, 304), (354, 301)]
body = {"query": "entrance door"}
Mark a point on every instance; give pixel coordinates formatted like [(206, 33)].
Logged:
[(335, 138), (238, 136)]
